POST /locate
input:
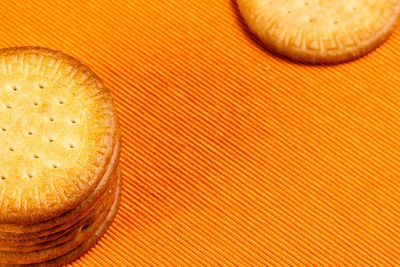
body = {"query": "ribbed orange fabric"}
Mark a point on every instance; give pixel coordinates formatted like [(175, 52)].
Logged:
[(232, 155)]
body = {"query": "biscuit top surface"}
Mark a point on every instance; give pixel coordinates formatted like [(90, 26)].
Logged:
[(57, 127), (320, 26)]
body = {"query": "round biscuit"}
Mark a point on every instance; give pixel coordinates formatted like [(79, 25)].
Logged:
[(19, 232), (57, 133), (35, 243), (52, 256), (321, 31)]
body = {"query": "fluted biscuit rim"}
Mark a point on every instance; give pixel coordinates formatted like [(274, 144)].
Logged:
[(54, 233), (327, 56), (65, 248), (11, 229), (89, 243), (70, 233), (55, 206)]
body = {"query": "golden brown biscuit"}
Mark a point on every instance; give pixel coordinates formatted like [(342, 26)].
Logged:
[(57, 134), (84, 247), (59, 150), (70, 250), (14, 231), (71, 234), (62, 236), (321, 31)]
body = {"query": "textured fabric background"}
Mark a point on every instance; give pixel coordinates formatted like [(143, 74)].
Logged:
[(232, 156)]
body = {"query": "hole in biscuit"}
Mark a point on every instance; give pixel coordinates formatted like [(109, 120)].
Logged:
[(51, 119), (61, 102), (41, 86), (71, 146), (85, 227), (30, 132), (36, 156), (3, 177), (51, 140), (11, 149), (73, 121), (30, 176), (8, 106), (3, 129), (35, 103), (15, 88), (54, 166)]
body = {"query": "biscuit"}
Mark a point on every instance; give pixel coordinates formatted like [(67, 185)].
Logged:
[(51, 159), (84, 247), (321, 31), (60, 145), (54, 254), (11, 231), (31, 244), (68, 235)]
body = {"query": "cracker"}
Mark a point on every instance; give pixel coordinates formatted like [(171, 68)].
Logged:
[(12, 231), (70, 234), (59, 152), (57, 134), (89, 234), (321, 31), (33, 240), (84, 247)]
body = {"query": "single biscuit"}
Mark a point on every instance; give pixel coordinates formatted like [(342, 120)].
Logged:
[(58, 128), (321, 31)]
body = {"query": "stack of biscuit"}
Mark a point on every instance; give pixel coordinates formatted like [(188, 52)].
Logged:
[(59, 157)]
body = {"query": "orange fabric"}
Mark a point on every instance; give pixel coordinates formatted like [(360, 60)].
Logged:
[(232, 155)]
